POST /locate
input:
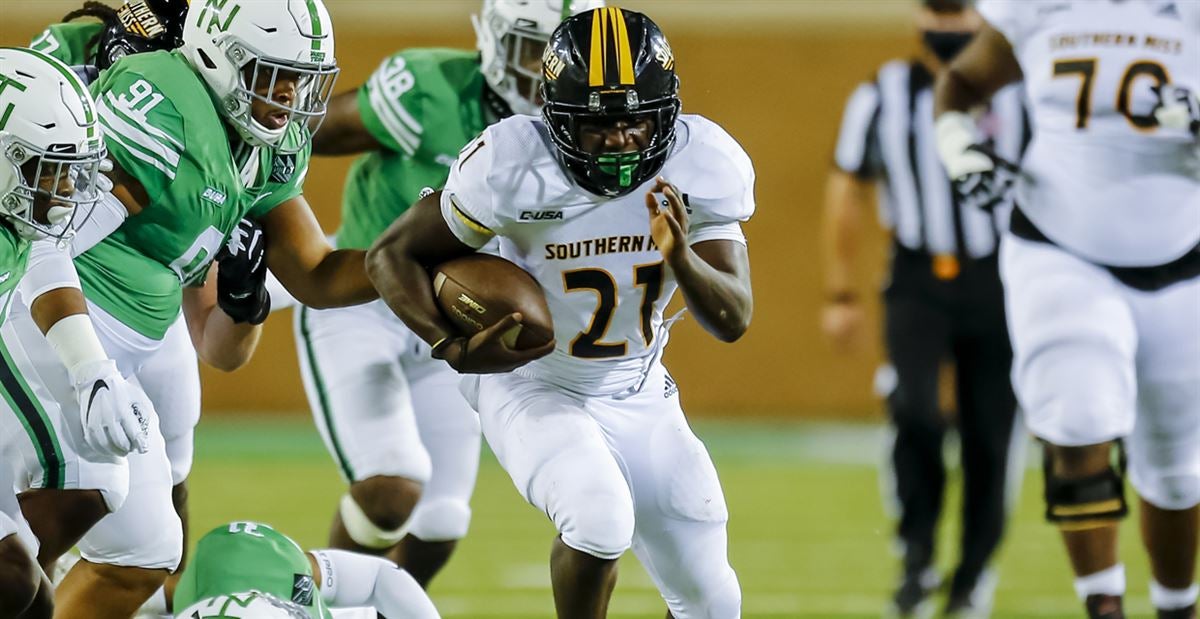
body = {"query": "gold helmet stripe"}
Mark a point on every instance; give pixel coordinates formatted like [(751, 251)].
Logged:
[(624, 53), (599, 34)]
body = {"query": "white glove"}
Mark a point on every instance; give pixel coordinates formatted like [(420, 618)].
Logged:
[(115, 413), (955, 134), (1178, 108)]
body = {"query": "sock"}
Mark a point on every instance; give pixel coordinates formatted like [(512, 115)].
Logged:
[(1109, 581), (1172, 599)]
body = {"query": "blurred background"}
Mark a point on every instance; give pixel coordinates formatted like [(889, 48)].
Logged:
[(795, 429)]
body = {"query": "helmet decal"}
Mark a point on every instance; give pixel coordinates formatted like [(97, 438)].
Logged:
[(611, 58)]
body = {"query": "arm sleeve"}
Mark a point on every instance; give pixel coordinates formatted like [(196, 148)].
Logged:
[(350, 579), (50, 268), (391, 108), (468, 205), (857, 136), (105, 217), (144, 135)]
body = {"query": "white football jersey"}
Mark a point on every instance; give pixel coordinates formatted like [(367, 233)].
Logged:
[(1102, 179), (604, 279)]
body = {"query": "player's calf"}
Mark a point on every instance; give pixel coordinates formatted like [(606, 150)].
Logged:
[(1085, 498)]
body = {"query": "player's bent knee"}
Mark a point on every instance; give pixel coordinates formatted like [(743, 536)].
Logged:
[(602, 528), (1089, 496), (19, 575), (441, 520), (1169, 491), (363, 530)]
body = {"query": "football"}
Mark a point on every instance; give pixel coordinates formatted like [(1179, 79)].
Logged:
[(476, 291)]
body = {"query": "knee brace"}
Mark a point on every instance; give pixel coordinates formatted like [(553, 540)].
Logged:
[(364, 532), (1087, 502), (440, 520)]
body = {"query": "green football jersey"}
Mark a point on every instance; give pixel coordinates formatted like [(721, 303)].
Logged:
[(244, 556), (14, 257), (423, 106), (73, 43), (162, 127)]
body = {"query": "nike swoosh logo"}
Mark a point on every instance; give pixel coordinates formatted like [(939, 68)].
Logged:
[(96, 387)]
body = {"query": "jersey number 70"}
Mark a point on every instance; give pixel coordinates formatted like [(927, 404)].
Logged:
[(1086, 68)]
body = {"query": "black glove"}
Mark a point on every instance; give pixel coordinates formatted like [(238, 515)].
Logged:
[(242, 274), (988, 189)]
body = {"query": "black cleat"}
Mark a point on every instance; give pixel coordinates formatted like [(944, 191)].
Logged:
[(912, 597), (1178, 613), (1101, 606)]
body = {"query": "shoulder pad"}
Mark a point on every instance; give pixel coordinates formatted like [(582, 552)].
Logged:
[(713, 170)]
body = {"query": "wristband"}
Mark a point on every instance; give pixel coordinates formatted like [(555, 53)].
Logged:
[(74, 341)]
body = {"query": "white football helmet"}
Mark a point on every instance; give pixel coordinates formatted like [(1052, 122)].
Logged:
[(247, 605), (511, 37), (50, 144), (244, 49)]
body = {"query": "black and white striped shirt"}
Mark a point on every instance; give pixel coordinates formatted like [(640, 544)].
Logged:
[(887, 135)]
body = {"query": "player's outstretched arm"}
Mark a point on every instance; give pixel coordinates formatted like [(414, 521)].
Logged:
[(398, 263), (219, 341), (350, 579), (311, 270), (714, 276), (343, 132)]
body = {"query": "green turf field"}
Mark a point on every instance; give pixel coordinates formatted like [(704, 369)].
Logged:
[(808, 532)]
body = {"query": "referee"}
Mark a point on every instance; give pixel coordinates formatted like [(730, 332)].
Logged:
[(943, 303)]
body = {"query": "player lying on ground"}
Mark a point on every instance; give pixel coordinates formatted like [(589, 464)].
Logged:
[(240, 557), (590, 429), (390, 414), (50, 155), (1101, 269)]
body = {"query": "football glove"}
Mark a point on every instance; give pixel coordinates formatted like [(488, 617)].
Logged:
[(115, 413), (242, 275), (1178, 108), (980, 177)]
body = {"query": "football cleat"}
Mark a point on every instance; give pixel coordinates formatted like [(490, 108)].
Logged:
[(1101, 606)]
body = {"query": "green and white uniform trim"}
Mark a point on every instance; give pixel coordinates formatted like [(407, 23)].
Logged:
[(244, 556), (14, 256), (162, 127), (422, 106)]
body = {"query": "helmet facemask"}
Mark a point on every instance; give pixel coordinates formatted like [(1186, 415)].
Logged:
[(521, 86), (46, 189), (259, 78), (612, 174)]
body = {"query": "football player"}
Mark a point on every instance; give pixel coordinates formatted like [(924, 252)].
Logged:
[(201, 137), (171, 376), (389, 413), (589, 426), (1101, 268), (50, 154), (241, 557)]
